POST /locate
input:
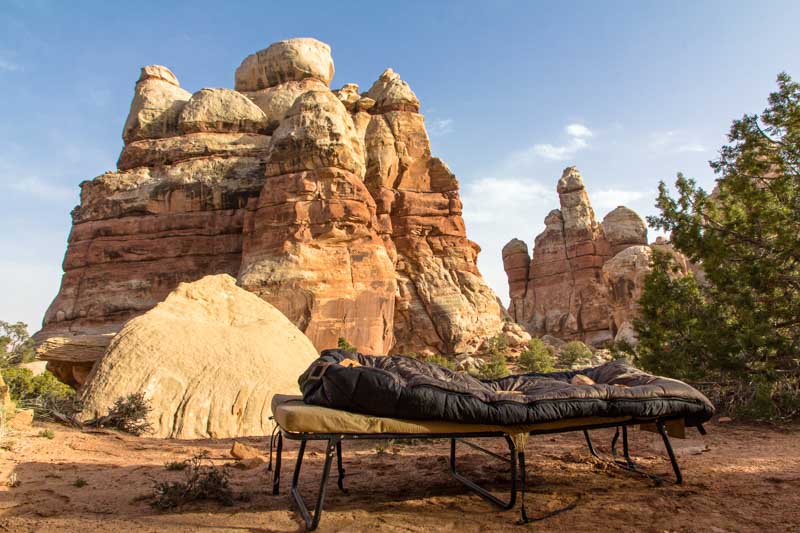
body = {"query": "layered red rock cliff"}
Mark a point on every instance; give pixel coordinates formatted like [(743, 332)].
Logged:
[(327, 204), (584, 279)]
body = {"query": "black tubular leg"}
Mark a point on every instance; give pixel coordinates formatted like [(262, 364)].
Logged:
[(276, 474), (668, 445), (614, 443), (340, 467), (523, 515), (625, 450), (313, 521), (480, 491), (590, 444)]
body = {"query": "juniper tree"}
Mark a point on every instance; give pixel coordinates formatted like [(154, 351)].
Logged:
[(745, 236)]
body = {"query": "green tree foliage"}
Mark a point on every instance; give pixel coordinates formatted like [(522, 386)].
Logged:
[(745, 318), (16, 346), (679, 329), (575, 352), (346, 346), (495, 355), (539, 357)]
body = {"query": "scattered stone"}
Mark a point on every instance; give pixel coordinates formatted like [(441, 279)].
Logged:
[(243, 451)]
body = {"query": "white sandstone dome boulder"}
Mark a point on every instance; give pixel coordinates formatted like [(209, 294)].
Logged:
[(157, 102), (221, 111), (623, 227), (290, 60), (209, 358)]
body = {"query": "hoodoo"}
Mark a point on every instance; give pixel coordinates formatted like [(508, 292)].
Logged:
[(327, 204)]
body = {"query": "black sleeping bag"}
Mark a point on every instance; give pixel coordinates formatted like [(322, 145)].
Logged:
[(403, 387)]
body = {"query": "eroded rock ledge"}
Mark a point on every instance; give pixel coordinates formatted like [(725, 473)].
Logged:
[(327, 204)]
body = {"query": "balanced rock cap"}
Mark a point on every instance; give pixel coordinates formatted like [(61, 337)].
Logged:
[(570, 181), (158, 72), (290, 60)]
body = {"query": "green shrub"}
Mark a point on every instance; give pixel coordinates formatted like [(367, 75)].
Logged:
[(346, 346), (46, 434), (128, 414), (538, 357), (494, 352), (49, 398), (176, 466), (441, 361), (575, 352), (80, 483)]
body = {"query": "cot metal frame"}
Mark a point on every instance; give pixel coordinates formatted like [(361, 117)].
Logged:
[(516, 460)]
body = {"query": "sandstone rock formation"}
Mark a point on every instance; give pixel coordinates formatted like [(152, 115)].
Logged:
[(584, 278), (327, 204), (208, 359)]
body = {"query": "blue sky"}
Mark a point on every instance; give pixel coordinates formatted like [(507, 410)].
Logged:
[(630, 92)]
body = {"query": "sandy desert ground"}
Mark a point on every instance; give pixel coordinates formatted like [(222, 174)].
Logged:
[(741, 477)]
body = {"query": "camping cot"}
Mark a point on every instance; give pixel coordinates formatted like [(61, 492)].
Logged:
[(348, 396)]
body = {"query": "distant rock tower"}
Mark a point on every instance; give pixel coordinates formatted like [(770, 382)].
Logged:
[(584, 279)]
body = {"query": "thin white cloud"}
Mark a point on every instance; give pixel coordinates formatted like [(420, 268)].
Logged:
[(671, 141), (611, 198), (692, 147), (39, 188), (578, 130), (440, 126), (7, 65), (577, 134)]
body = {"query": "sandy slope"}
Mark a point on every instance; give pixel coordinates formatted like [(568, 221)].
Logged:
[(747, 480)]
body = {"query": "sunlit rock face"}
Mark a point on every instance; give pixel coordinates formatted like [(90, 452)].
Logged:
[(582, 279), (328, 204)]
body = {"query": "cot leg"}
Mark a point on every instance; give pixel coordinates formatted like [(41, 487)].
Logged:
[(480, 491), (340, 467), (523, 515), (590, 444), (276, 474), (614, 440), (313, 521), (625, 449), (672, 459)]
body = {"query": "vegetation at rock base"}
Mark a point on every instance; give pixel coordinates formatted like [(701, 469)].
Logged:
[(740, 322), (441, 361), (203, 481), (575, 352), (539, 357), (16, 345), (128, 414), (495, 354), (346, 346), (49, 398)]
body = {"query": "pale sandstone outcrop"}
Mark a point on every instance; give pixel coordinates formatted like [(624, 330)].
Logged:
[(393, 94), (317, 132), (623, 227), (443, 305), (311, 243), (341, 217), (157, 103), (221, 111), (624, 275), (290, 60), (276, 101), (208, 359), (171, 150)]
